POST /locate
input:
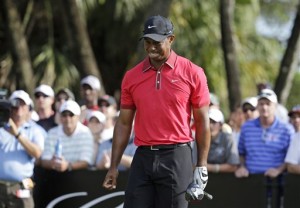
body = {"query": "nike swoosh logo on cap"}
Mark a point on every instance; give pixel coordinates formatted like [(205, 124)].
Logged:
[(149, 26)]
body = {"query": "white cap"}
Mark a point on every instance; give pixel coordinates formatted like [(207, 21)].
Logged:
[(91, 81), (268, 94), (45, 89), (216, 115), (21, 94), (250, 100), (98, 115), (70, 105)]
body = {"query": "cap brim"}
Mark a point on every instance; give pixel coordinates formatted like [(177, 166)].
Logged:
[(267, 98), (155, 37)]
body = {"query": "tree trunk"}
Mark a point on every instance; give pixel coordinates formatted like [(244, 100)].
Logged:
[(19, 48), (83, 54), (287, 69), (228, 45)]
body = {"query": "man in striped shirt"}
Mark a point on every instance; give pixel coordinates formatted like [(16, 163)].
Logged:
[(75, 138), (264, 141)]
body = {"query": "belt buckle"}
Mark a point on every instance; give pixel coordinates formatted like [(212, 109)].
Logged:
[(152, 148)]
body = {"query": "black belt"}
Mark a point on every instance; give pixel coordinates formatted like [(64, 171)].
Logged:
[(164, 146)]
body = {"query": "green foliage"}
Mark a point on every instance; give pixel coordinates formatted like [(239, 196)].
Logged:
[(53, 68), (294, 97)]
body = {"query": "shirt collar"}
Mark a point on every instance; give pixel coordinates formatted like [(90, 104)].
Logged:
[(217, 140), (257, 122), (170, 62)]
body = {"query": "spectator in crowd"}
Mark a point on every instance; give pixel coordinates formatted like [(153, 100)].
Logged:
[(104, 155), (61, 96), (108, 106), (281, 111), (214, 100), (236, 120), (21, 143), (90, 89), (96, 123), (223, 154), (293, 155), (44, 99), (215, 103), (264, 141), (76, 142), (249, 105)]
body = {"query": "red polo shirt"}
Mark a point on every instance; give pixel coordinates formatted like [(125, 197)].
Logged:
[(163, 99)]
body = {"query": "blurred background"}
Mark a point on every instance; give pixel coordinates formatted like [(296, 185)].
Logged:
[(238, 43)]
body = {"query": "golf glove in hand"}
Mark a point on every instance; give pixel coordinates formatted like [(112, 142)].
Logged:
[(201, 176)]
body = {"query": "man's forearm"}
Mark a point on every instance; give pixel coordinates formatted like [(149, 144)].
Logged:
[(120, 141)]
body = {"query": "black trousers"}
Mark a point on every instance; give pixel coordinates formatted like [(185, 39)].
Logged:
[(8, 198), (159, 178)]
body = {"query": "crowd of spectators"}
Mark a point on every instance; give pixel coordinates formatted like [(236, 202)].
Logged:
[(55, 132)]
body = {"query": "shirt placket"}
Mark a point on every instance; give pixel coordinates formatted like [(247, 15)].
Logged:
[(158, 79)]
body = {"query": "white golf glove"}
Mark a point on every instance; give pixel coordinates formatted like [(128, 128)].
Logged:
[(201, 176)]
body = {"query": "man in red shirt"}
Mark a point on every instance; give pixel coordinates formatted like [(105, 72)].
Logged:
[(160, 93)]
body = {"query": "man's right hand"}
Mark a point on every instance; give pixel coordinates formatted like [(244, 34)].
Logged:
[(110, 181), (241, 172)]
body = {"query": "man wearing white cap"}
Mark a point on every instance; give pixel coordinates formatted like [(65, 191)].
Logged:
[(223, 154), (249, 108), (44, 99), (269, 135), (90, 88), (21, 142), (96, 123), (293, 155), (76, 140), (264, 141)]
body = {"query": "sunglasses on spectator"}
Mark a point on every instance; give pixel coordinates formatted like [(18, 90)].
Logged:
[(245, 110), (295, 115), (16, 103), (67, 114), (59, 99), (104, 104), (38, 95), (212, 121)]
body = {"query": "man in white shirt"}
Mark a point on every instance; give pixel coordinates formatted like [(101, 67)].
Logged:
[(76, 142)]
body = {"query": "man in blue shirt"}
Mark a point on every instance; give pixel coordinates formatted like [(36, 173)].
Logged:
[(21, 143), (264, 142)]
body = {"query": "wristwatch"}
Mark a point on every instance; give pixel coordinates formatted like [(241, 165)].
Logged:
[(18, 135)]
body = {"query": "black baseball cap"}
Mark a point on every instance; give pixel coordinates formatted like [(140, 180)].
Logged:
[(158, 28)]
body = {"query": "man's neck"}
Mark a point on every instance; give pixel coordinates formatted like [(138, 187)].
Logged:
[(45, 113), (267, 121)]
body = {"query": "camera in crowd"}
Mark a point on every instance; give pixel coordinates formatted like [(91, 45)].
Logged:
[(4, 108)]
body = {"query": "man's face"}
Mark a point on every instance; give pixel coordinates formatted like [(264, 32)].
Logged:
[(43, 101), (19, 111), (158, 51), (88, 94), (295, 120), (215, 128), (266, 108), (95, 125), (69, 121)]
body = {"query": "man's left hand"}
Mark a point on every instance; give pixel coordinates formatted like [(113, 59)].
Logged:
[(201, 176)]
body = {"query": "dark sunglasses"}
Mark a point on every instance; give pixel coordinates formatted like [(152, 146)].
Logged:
[(245, 110), (67, 114), (16, 103), (212, 121), (40, 95)]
